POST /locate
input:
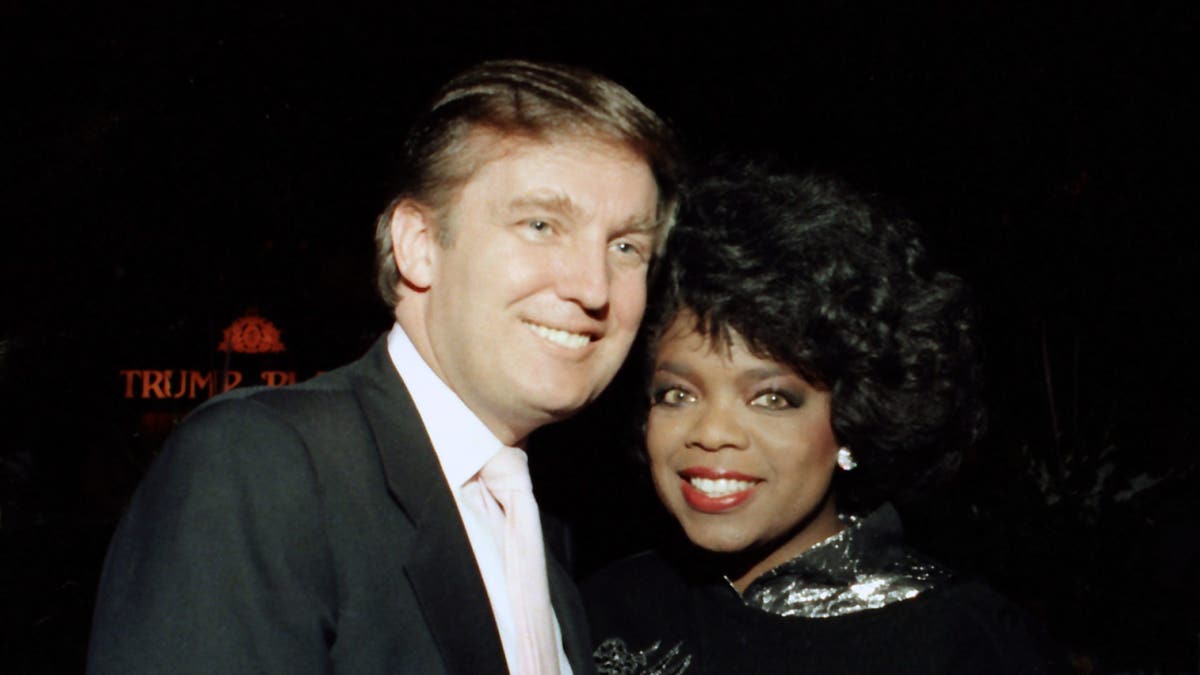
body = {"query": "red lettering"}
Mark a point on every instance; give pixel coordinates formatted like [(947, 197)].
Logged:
[(152, 383), (278, 378), (192, 384), (232, 379), (129, 375), (206, 382), (173, 392)]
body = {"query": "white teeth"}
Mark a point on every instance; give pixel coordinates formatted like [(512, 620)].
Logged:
[(560, 337), (720, 487)]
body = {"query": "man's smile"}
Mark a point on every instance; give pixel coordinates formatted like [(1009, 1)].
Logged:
[(560, 337)]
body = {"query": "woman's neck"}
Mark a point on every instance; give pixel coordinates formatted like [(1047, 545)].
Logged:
[(746, 566)]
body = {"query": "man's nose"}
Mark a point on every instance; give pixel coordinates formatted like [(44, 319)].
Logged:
[(584, 276)]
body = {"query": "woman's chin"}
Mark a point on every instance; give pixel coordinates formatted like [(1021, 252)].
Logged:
[(719, 543)]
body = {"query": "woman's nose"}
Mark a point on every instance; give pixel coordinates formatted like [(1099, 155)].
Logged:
[(717, 428)]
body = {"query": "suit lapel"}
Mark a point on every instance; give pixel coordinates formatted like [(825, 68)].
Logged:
[(568, 608), (440, 567)]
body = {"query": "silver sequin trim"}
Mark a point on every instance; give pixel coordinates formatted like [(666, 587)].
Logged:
[(865, 566), (613, 657)]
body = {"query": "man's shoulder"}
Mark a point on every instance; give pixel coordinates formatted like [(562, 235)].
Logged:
[(311, 434), (329, 399), (324, 387), (258, 426)]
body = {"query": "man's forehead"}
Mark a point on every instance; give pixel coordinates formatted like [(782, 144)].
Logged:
[(488, 147), (487, 144)]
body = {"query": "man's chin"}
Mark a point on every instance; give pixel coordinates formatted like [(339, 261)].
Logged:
[(559, 411), (558, 408)]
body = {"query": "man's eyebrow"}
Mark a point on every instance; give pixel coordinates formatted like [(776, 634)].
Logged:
[(638, 225), (547, 201), (555, 202)]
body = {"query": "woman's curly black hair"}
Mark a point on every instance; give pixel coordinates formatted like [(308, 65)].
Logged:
[(811, 275)]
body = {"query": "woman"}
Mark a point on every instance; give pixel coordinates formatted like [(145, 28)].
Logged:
[(807, 368)]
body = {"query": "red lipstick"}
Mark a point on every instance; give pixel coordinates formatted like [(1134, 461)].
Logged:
[(703, 502)]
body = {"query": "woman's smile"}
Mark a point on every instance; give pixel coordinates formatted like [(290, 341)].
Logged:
[(715, 490)]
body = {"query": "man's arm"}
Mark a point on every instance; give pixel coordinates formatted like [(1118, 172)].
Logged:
[(221, 563)]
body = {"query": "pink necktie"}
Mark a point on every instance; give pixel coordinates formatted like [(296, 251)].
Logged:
[(507, 478)]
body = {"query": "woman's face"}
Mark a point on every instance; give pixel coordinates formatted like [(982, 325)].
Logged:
[(741, 448)]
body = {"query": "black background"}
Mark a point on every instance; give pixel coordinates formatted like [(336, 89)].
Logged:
[(168, 169)]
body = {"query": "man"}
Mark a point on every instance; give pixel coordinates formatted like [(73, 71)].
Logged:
[(345, 524)]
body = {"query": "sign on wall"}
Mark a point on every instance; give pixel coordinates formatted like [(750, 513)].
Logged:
[(248, 335)]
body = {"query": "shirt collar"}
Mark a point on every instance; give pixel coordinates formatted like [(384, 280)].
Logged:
[(462, 443)]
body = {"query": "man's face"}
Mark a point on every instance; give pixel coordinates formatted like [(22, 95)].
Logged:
[(534, 304)]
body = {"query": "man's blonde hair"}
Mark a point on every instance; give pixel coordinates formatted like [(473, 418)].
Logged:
[(538, 101)]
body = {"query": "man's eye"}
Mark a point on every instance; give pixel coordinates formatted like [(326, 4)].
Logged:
[(775, 400), (629, 248), (538, 225)]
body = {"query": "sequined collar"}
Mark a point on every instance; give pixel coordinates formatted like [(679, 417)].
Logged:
[(865, 566)]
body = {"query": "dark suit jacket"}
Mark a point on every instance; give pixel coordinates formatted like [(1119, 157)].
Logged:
[(303, 529)]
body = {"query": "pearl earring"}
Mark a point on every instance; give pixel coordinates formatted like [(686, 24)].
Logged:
[(845, 459)]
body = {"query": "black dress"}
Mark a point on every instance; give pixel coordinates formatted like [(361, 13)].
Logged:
[(860, 602)]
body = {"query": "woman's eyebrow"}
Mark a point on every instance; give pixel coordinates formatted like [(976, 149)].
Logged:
[(764, 373), (673, 368)]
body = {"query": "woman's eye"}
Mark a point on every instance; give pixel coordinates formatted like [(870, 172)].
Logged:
[(774, 400), (538, 225), (671, 396)]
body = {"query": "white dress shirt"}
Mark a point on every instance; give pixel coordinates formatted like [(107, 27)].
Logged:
[(463, 445)]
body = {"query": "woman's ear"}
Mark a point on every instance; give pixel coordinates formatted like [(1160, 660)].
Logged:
[(413, 237)]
